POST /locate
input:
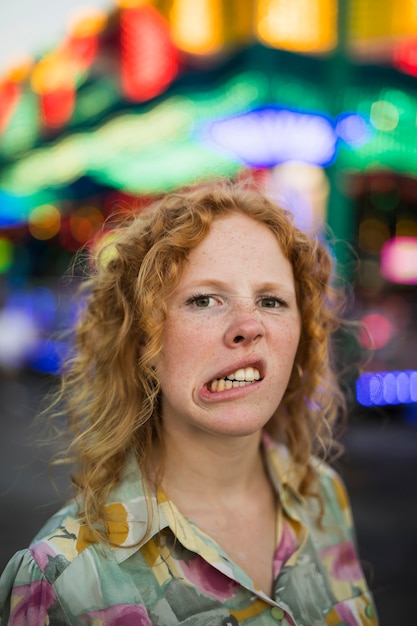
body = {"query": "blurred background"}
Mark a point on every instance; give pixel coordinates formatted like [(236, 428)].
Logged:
[(104, 105)]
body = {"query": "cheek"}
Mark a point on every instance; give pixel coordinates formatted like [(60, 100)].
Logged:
[(289, 334), (182, 343), (287, 344), (295, 336)]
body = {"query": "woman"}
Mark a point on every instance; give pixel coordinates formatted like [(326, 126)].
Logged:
[(199, 397)]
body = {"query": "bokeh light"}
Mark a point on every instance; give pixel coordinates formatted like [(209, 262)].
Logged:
[(6, 254), (149, 58), (197, 27), (303, 189), (353, 129), (298, 25), (85, 222), (268, 136), (399, 260), (44, 222), (384, 115), (18, 335), (384, 388), (377, 331)]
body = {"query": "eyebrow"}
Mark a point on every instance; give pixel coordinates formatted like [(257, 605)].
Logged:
[(217, 284)]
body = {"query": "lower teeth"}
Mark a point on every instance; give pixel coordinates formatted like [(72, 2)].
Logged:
[(221, 384)]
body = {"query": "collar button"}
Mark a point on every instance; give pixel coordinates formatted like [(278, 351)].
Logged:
[(277, 613)]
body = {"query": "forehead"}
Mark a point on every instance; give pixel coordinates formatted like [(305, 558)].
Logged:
[(238, 244), (238, 230)]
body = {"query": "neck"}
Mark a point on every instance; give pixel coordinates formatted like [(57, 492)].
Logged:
[(214, 467)]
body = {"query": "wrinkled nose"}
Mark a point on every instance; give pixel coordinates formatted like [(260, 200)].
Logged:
[(245, 324)]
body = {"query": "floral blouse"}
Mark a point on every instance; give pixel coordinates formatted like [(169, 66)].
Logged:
[(165, 571)]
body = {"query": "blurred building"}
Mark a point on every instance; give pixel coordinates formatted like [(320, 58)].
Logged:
[(314, 99)]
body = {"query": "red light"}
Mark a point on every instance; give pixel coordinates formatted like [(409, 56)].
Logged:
[(377, 333), (57, 106), (83, 50), (149, 58), (405, 56), (9, 96)]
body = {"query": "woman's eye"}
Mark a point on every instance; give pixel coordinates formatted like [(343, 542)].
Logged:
[(271, 302), (203, 301)]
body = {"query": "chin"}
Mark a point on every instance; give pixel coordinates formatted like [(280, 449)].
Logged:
[(238, 428)]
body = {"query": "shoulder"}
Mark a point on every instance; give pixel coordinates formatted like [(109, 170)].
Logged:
[(64, 538), (333, 489), (26, 596), (59, 542), (291, 473), (331, 482), (328, 485), (49, 553), (54, 579)]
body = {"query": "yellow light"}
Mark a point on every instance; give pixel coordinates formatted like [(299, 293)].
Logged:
[(197, 27), (384, 115), (370, 20), (131, 4), (20, 70), (87, 22), (44, 222), (54, 71), (298, 25)]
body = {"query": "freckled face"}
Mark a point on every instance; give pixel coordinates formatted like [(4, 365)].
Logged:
[(231, 333)]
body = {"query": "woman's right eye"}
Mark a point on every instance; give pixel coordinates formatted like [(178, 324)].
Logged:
[(203, 301)]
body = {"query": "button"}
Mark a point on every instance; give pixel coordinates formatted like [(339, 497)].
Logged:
[(277, 613), (369, 611)]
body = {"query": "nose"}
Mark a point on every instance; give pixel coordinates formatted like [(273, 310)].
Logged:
[(244, 325)]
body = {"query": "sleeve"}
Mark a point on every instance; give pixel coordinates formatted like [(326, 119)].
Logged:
[(26, 597)]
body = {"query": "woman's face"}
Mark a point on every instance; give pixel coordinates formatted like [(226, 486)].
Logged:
[(231, 333)]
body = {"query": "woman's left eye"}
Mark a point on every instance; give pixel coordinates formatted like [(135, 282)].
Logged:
[(271, 302)]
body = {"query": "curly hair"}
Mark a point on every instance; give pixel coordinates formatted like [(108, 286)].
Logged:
[(110, 390)]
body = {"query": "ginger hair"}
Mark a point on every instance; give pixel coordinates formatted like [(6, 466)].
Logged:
[(109, 390)]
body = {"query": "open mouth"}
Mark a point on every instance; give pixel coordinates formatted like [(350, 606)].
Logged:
[(240, 378)]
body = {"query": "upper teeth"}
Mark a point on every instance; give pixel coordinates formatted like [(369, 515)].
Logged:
[(247, 373), (239, 378)]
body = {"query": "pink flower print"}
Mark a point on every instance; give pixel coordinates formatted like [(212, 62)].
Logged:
[(31, 603), (42, 552), (356, 611), (120, 615), (285, 549), (208, 579), (346, 615), (345, 564)]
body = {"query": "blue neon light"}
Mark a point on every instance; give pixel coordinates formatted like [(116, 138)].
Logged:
[(383, 388), (353, 129), (268, 136)]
